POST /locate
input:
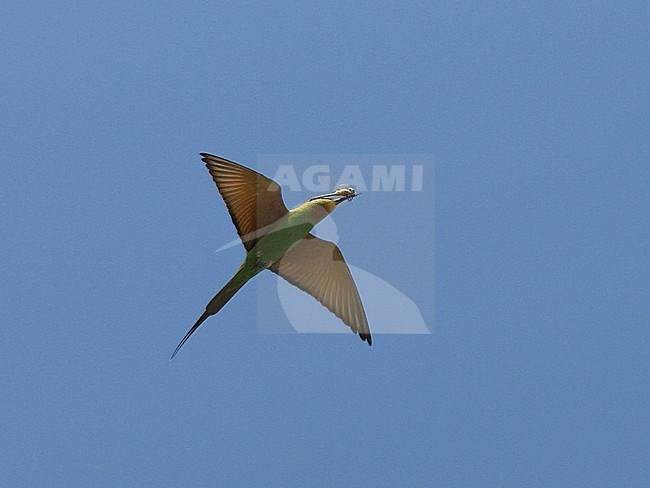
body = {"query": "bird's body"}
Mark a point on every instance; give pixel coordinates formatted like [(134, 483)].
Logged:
[(280, 240), (290, 230)]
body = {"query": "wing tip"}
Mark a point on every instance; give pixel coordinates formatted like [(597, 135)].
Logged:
[(209, 158), (367, 338)]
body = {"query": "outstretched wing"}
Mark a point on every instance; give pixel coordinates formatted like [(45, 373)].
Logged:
[(253, 200), (317, 266)]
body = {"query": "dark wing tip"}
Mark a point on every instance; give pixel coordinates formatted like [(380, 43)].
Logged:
[(367, 338), (208, 158), (211, 158)]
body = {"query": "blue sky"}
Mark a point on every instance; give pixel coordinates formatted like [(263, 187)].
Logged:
[(537, 118)]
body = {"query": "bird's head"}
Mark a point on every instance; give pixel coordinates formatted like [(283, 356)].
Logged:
[(342, 194)]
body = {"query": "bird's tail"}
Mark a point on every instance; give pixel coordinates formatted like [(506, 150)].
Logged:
[(216, 304)]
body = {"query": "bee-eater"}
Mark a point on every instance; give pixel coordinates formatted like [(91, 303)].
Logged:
[(280, 240)]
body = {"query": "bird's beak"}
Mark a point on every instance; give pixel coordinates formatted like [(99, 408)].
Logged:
[(338, 196)]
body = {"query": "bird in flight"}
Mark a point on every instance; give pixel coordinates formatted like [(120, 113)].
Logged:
[(280, 240)]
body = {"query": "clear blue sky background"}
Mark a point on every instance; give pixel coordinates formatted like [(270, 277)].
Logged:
[(537, 117)]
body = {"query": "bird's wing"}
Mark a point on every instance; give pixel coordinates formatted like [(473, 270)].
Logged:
[(253, 200), (317, 267)]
